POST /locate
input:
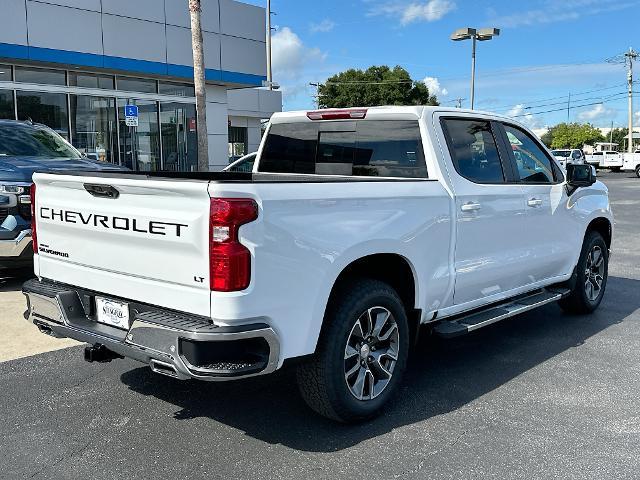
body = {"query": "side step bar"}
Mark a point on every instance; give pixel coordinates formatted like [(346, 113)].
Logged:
[(468, 322)]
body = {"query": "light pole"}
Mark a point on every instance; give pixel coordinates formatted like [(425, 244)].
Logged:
[(474, 35), (269, 65)]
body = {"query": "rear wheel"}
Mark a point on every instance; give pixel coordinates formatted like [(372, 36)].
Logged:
[(638, 171), (361, 355), (592, 274)]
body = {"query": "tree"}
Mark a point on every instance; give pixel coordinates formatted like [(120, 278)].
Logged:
[(574, 135), (547, 138), (195, 9), (373, 87), (619, 136)]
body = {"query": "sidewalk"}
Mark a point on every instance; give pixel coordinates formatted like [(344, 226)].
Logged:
[(19, 338)]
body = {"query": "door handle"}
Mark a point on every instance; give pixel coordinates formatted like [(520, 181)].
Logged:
[(534, 202), (471, 207)]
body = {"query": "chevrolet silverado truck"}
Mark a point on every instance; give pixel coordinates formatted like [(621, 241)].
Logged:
[(356, 230), (24, 148)]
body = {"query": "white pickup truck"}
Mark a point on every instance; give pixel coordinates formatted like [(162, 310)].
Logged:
[(355, 228), (608, 159), (632, 162)]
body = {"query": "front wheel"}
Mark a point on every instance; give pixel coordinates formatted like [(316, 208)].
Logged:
[(638, 171), (592, 274), (361, 354)]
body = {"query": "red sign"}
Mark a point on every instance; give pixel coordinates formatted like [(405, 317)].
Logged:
[(192, 124)]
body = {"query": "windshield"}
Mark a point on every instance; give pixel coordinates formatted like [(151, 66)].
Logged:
[(24, 140), (561, 153)]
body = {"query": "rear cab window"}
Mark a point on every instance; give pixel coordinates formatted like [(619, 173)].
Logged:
[(364, 148)]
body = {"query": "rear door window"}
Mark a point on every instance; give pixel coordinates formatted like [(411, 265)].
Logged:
[(364, 148), (474, 150)]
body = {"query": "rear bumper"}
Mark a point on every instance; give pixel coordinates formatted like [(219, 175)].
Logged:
[(171, 343)]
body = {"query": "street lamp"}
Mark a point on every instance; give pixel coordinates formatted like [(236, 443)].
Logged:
[(481, 35)]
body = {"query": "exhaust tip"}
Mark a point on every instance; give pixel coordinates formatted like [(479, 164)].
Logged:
[(163, 368)]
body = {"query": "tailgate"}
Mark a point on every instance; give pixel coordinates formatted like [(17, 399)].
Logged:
[(135, 238)]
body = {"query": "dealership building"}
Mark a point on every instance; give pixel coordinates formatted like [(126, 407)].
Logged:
[(75, 64)]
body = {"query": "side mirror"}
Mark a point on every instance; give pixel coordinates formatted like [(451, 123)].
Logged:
[(580, 176)]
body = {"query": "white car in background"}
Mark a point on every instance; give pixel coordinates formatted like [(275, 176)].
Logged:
[(569, 156)]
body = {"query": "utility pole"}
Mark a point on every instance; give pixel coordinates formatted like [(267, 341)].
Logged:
[(317, 85), (630, 56), (195, 10), (269, 63), (611, 133), (459, 102)]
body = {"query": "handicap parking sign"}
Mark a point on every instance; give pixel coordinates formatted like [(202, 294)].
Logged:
[(131, 115)]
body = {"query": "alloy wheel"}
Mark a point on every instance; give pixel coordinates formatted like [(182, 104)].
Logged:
[(594, 273), (371, 353)]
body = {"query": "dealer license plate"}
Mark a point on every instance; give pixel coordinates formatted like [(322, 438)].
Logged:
[(112, 313)]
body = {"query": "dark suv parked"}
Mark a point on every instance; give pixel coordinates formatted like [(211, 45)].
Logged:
[(26, 148)]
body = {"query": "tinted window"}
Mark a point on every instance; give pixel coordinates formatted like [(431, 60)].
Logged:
[(89, 80), (5, 73), (33, 141), (532, 163), (50, 109), (41, 75), (177, 89), (7, 109), (474, 151), (365, 148), (143, 85)]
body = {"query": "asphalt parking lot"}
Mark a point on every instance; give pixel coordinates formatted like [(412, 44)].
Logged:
[(543, 395)]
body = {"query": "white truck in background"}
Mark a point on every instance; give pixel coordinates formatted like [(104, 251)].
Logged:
[(356, 229), (632, 162), (607, 159)]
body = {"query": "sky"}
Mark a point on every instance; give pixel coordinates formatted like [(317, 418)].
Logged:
[(547, 50)]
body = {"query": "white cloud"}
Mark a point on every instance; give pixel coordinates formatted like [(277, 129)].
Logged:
[(324, 26), (294, 66), (519, 113), (290, 55), (552, 11), (433, 84), (598, 112), (416, 11)]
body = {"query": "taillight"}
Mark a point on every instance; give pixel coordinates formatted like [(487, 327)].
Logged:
[(342, 114), (34, 235), (230, 261)]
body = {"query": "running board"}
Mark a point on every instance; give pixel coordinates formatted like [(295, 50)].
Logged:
[(463, 324)]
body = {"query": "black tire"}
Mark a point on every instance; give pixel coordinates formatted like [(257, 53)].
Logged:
[(638, 171), (580, 301), (322, 379), (616, 169)]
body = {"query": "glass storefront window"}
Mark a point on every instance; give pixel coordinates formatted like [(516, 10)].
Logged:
[(7, 110), (41, 75), (177, 89), (5, 73), (93, 127), (90, 80), (143, 85), (237, 143), (179, 137), (47, 108), (140, 146)]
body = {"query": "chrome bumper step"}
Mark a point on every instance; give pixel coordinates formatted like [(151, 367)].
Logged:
[(466, 323)]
